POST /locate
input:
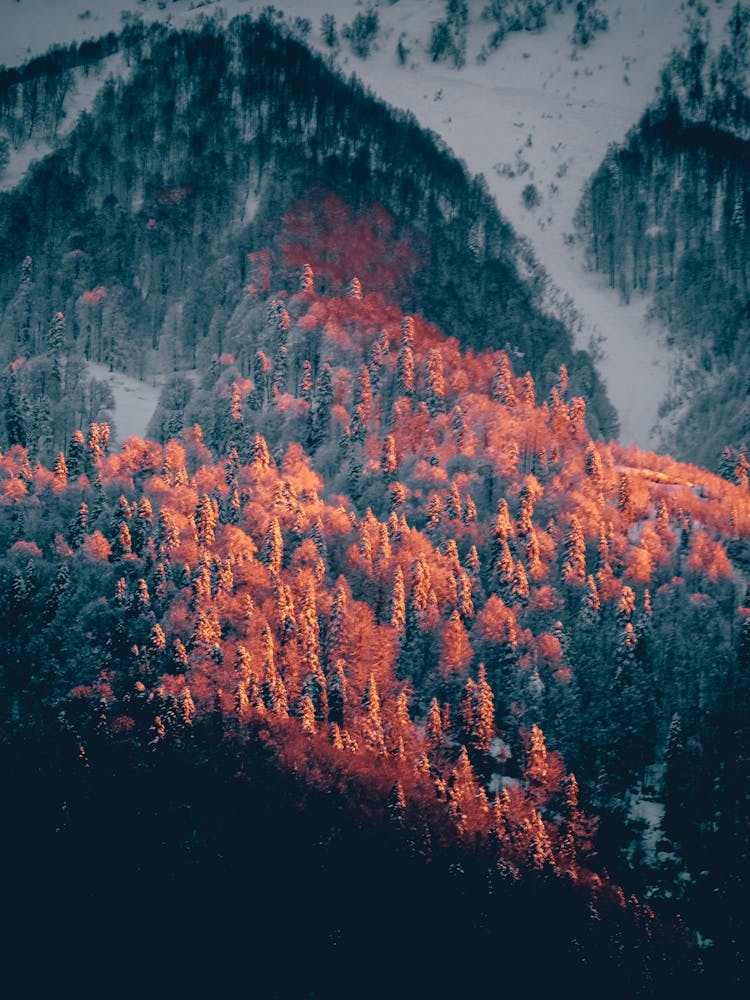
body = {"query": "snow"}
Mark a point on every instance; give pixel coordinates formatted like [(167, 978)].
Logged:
[(547, 111), (135, 400), (650, 814), (20, 161)]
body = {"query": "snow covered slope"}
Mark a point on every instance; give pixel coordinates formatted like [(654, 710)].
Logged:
[(536, 112)]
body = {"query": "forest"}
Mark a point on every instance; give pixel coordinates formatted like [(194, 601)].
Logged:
[(141, 226), (414, 585), (376, 666), (665, 214)]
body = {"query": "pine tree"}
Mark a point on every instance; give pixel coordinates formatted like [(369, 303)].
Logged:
[(15, 423), (676, 778), (574, 567), (61, 472), (405, 370), (398, 603), (273, 547), (537, 765), (388, 460), (323, 406), (76, 456), (370, 722), (435, 382), (122, 545), (260, 395), (528, 394), (433, 732), (307, 278), (338, 694), (306, 712), (624, 495), (594, 466), (504, 573), (273, 691), (396, 805), (206, 519), (280, 371)]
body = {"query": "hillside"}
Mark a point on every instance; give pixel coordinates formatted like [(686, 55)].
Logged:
[(372, 664), (132, 238), (684, 171), (572, 94), (414, 586)]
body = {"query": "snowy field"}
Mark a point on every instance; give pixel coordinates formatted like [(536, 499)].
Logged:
[(535, 109), (135, 400)]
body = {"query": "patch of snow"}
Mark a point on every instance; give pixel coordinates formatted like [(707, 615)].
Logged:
[(650, 814), (498, 782), (20, 161), (499, 749), (135, 400)]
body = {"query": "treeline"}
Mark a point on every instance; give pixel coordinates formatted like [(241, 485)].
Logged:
[(32, 96), (139, 226), (666, 213), (388, 558), (507, 16)]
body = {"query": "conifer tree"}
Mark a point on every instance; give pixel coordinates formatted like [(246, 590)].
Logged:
[(307, 279), (306, 714), (388, 460), (76, 455), (407, 332), (338, 694), (370, 722), (435, 382), (323, 406), (398, 602), (396, 804), (61, 472), (260, 395), (502, 384), (405, 370), (433, 732), (537, 765), (273, 547), (574, 567)]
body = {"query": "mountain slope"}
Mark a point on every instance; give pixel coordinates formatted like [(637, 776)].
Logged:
[(665, 214), (572, 100), (133, 224)]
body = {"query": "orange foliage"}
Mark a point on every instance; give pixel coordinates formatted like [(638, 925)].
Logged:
[(96, 548)]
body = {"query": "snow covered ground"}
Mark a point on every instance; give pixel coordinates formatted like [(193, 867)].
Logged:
[(648, 814), (536, 109), (135, 401)]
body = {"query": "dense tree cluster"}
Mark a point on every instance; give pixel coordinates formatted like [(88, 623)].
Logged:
[(390, 562)]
